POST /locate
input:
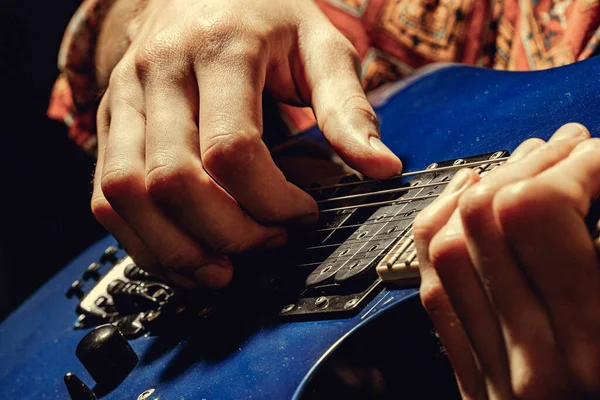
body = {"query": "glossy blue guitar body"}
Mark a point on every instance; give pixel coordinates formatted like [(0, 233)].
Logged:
[(446, 113)]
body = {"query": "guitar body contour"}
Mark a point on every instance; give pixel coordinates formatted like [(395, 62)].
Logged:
[(446, 113)]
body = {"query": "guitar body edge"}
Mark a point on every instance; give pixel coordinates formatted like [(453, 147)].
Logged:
[(448, 113)]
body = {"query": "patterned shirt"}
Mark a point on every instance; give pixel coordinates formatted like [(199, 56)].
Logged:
[(392, 37)]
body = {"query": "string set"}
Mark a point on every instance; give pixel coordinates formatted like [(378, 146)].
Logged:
[(410, 174), (373, 222), (405, 232), (379, 203), (386, 191), (397, 201)]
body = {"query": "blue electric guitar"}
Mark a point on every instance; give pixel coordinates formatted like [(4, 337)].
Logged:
[(336, 313)]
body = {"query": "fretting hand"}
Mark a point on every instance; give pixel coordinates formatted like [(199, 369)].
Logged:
[(183, 178), (510, 275)]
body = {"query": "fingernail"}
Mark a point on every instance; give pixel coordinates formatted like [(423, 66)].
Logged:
[(571, 130), (378, 145), (461, 178)]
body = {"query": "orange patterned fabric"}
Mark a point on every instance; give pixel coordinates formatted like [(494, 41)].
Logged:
[(394, 37), (74, 95)]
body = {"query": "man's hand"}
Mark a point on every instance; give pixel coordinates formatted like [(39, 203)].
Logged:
[(510, 275), (183, 178)]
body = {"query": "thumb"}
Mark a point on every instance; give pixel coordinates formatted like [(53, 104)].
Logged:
[(343, 112)]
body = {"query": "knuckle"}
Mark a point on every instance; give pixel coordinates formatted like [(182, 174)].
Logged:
[(271, 214), (159, 52), (447, 253), (230, 152), (512, 199), (358, 103), (352, 105), (532, 200), (433, 297), (167, 181), (250, 50), (335, 40), (423, 226), (102, 210), (338, 45), (229, 245), (122, 74), (554, 151), (210, 35), (119, 184), (180, 258), (533, 142), (474, 201)]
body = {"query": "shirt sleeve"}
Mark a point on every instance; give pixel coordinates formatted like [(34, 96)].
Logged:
[(75, 96), (392, 39)]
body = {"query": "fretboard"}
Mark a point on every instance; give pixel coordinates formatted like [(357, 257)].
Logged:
[(363, 222)]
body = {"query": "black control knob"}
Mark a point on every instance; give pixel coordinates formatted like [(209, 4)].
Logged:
[(115, 287), (77, 389), (110, 255), (75, 290), (107, 356), (135, 273), (91, 272)]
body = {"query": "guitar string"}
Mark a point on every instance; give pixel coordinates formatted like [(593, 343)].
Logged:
[(348, 241), (414, 264), (404, 233), (396, 201), (369, 239), (387, 191), (355, 241), (409, 174), (378, 203), (367, 223)]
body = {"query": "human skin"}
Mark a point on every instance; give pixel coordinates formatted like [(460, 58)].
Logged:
[(511, 276), (183, 178)]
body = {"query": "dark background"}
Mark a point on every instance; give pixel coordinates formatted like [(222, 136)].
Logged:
[(44, 178)]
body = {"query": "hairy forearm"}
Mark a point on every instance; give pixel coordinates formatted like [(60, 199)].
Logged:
[(115, 37)]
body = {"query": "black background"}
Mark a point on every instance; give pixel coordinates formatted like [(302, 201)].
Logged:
[(44, 178)]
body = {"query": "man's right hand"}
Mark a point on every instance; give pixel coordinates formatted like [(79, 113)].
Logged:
[(183, 177)]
